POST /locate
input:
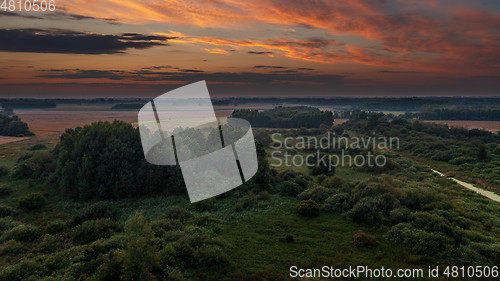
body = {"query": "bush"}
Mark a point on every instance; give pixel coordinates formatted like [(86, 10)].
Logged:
[(178, 213), (290, 188), (461, 160), (37, 146), (32, 201), (49, 243), (6, 211), (337, 203), (308, 208), (361, 239), (318, 194), (20, 271), (399, 215), (11, 247), (198, 250), (7, 224), (21, 233), (55, 227), (96, 211), (4, 171), (38, 165), (5, 191), (335, 182), (421, 241), (303, 180), (368, 209), (94, 229)]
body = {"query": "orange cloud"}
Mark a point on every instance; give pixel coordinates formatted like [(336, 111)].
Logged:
[(423, 34)]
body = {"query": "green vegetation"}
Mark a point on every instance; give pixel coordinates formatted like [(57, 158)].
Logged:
[(286, 117), (308, 208), (13, 126), (91, 208), (105, 160), (30, 202), (473, 154), (461, 113)]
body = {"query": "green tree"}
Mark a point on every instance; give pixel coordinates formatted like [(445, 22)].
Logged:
[(139, 255)]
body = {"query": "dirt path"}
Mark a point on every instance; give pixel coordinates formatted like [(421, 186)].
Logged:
[(469, 186)]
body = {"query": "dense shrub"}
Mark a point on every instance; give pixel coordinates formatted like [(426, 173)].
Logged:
[(178, 213), (371, 209), (290, 188), (421, 241), (317, 193), (308, 208), (38, 165), (98, 210), (335, 182), (5, 211), (7, 224), (303, 180), (21, 233), (4, 171), (21, 271), (461, 160), (4, 191), (49, 243), (37, 146), (399, 215), (55, 226), (198, 250), (105, 161), (34, 201), (92, 230), (361, 239), (323, 168), (11, 247), (337, 203)]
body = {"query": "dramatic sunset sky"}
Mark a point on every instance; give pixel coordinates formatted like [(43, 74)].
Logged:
[(141, 48)]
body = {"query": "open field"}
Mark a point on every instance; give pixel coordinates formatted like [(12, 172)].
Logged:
[(4, 139), (50, 121), (42, 121)]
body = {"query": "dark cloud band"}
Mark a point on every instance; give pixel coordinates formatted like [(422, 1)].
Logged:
[(73, 42)]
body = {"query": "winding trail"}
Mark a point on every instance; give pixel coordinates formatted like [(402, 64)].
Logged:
[(491, 195)]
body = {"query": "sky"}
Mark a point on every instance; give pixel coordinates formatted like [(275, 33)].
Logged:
[(262, 48)]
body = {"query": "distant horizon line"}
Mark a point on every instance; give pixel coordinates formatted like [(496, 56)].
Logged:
[(255, 97)]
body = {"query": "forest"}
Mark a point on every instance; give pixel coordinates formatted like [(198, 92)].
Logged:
[(286, 117)]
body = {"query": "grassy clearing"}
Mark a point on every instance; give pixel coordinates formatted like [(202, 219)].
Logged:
[(258, 242)]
